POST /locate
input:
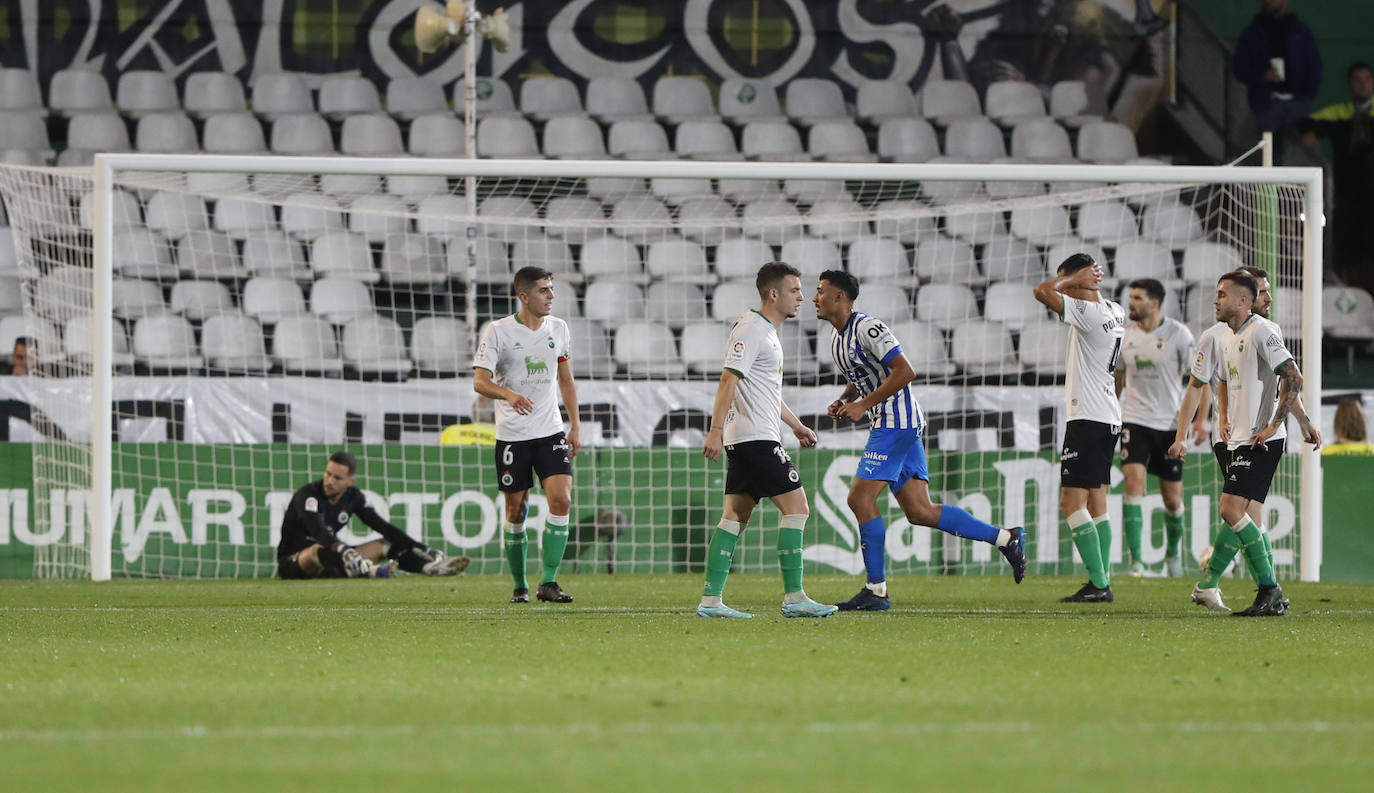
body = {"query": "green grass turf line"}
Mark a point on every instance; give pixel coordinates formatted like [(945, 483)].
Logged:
[(412, 684)]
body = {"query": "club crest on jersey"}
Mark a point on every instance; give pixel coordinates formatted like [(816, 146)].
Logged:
[(343, 517), (1241, 348), (550, 342)]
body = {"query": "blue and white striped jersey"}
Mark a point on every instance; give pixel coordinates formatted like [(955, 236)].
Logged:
[(863, 351)]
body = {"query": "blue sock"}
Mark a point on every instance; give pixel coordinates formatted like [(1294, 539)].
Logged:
[(873, 541), (961, 524)]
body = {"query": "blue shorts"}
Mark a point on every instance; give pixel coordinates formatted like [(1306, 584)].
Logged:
[(893, 456)]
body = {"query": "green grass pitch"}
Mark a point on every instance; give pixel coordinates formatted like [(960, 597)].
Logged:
[(431, 684)]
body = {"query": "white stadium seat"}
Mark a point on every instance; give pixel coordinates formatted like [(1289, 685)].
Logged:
[(373, 346), (945, 305), (272, 299), (339, 300), (233, 343), (306, 344), (543, 98), (438, 345), (984, 349), (200, 300), (647, 349), (166, 342)]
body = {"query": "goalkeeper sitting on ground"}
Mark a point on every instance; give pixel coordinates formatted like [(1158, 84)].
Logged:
[(310, 549)]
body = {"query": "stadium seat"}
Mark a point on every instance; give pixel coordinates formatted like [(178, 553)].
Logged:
[(301, 134), (902, 220), (974, 140), (61, 292), (1198, 311), (166, 343), (439, 135), (907, 140), (809, 191), (1071, 104), (812, 100), (306, 345), (1348, 318), (374, 347), (838, 141), (200, 300), (24, 130), (272, 253), (209, 93), (609, 300), (945, 305), (77, 338), (732, 299), (543, 98), (242, 218), (946, 260), (744, 190), (438, 346), (705, 140), (591, 349), (43, 332), (166, 133), (73, 91), (674, 191), (174, 215), (679, 99), (840, 219), (944, 101), (413, 260), (573, 218), (801, 363), (708, 220), (950, 192), (612, 99), (573, 137), (743, 100), (307, 216), (19, 91), (1005, 188), (703, 346), (647, 349), (9, 260), (674, 303), (638, 140), (271, 299), (1204, 262), (493, 262), (1106, 142), (773, 141), (923, 345), (343, 254), (742, 257), (234, 344), (441, 216), (378, 216), (98, 132), (881, 100), (773, 220), (141, 92), (341, 97), (1042, 140), (550, 253), (811, 255), (1006, 258), (1044, 347), (494, 98), (982, 348), (234, 133), (370, 135), (506, 137), (340, 299), (1170, 223), (1010, 102), (208, 255), (408, 98), (873, 258), (131, 298), (678, 260), (277, 94), (413, 189), (127, 212), (141, 253), (11, 293), (609, 188), (1012, 304), (1139, 259), (976, 228), (641, 220), (886, 300), (1042, 225), (496, 209), (1108, 223)]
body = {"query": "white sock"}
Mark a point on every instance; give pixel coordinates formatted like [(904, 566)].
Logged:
[(712, 600), (796, 597), (1003, 537), (515, 528), (879, 589)]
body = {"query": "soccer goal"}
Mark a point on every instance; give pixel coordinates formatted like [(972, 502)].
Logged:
[(209, 328)]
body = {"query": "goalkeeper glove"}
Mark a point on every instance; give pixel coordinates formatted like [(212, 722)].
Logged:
[(355, 564)]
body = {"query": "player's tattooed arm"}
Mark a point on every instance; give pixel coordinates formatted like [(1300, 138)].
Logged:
[(1290, 386)]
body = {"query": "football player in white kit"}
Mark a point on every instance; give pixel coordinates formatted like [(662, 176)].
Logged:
[(1096, 326)]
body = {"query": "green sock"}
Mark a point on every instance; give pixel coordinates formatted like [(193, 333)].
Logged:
[(1224, 549), (1173, 534), (719, 556), (1085, 540), (555, 543), (1268, 546), (1249, 536), (1104, 539), (1132, 522), (790, 555), (516, 550)]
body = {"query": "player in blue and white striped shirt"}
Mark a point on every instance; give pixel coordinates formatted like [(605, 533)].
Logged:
[(879, 376)]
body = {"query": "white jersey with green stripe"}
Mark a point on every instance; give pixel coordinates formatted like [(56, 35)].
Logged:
[(1155, 363), (1250, 358), (755, 354), (525, 360), (1095, 331), (1207, 369)]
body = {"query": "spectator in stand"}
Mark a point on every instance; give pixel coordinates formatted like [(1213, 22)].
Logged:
[(1350, 127), (1277, 59), (1351, 431), (22, 358)]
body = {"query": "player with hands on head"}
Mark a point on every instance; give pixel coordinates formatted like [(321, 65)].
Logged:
[(879, 390), (309, 547)]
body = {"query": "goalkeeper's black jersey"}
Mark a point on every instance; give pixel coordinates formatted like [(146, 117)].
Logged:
[(312, 518)]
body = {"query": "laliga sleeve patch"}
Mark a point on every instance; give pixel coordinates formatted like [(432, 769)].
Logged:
[(311, 505)]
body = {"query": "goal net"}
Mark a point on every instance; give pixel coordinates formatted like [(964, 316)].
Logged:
[(245, 317)]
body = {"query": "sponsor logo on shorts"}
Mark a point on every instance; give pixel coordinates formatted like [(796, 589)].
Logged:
[(874, 456), (1069, 454), (1240, 462)]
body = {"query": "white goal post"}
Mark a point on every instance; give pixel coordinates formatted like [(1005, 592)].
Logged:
[(111, 170)]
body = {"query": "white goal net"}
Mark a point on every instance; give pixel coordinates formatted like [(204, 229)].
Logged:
[(260, 313)]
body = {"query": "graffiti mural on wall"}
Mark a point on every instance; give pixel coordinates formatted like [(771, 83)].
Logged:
[(1108, 43)]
